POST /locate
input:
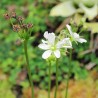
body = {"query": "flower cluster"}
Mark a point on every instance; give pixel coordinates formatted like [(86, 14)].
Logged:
[(53, 44), (24, 30)]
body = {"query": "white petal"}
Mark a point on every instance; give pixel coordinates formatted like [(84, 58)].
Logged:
[(75, 35), (59, 44), (46, 34), (68, 42), (51, 38), (64, 43), (46, 54), (67, 46), (81, 40), (77, 38), (57, 53), (43, 41), (44, 46), (90, 13), (69, 29)]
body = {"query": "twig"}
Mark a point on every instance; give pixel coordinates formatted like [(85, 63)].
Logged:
[(66, 21)]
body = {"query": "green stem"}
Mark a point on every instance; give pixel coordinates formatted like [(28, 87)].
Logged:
[(55, 96), (11, 22), (28, 68), (66, 92), (49, 86)]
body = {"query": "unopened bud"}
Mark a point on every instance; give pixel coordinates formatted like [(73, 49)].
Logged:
[(13, 15), (7, 16), (16, 28), (29, 25), (24, 26), (20, 18)]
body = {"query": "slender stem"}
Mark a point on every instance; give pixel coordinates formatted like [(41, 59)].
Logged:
[(28, 68), (49, 86), (66, 92), (55, 96)]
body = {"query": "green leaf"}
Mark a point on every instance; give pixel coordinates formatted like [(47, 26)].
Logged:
[(25, 84), (64, 9), (36, 78), (42, 73), (46, 79)]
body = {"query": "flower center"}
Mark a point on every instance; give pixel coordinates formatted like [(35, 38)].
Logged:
[(53, 48)]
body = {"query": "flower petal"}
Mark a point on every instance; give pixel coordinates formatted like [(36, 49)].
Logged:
[(46, 54), (67, 46), (75, 35), (66, 43), (69, 29), (43, 41), (59, 44), (57, 53), (81, 40), (46, 34), (51, 38), (43, 46), (90, 13)]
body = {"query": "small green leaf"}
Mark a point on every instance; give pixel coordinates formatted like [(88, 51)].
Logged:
[(42, 73), (36, 78), (25, 84)]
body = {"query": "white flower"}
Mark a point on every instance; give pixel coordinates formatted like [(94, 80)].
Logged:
[(52, 46), (90, 13), (74, 36)]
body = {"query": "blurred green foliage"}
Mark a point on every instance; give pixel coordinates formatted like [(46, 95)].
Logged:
[(5, 90)]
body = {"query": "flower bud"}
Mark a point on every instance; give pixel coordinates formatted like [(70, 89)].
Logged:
[(7, 16), (20, 18), (16, 28), (13, 15), (29, 25), (24, 26)]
